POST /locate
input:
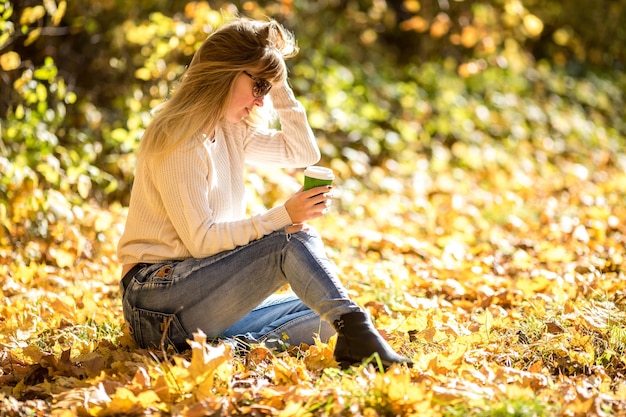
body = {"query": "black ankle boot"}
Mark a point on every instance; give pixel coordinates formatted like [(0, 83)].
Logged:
[(357, 340)]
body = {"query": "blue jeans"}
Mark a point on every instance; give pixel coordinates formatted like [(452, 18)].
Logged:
[(233, 294)]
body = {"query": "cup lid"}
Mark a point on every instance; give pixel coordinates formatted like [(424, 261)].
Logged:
[(320, 173)]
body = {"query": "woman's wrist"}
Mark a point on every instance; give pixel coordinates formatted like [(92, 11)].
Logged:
[(279, 89)]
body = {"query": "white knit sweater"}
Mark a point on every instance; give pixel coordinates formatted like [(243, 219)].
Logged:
[(191, 202)]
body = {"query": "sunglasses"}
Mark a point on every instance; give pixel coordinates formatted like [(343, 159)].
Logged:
[(261, 86)]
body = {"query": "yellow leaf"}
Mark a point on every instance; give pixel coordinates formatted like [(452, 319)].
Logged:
[(32, 36), (124, 401), (195, 8), (162, 389), (148, 399), (469, 36), (412, 6), (455, 355), (294, 409), (63, 413), (427, 334), (536, 366), (257, 355), (59, 13), (62, 257), (562, 36), (84, 186), (204, 389), (415, 23), (32, 14), (440, 26), (10, 60), (93, 363), (397, 385), (523, 378), (554, 327), (31, 354), (143, 74), (581, 405), (141, 379), (207, 407), (549, 253), (321, 356), (533, 25), (288, 372), (103, 222), (206, 358)]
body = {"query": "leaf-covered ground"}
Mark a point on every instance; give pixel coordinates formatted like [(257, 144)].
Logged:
[(499, 270)]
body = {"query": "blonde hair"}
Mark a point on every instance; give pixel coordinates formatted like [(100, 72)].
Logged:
[(198, 103)]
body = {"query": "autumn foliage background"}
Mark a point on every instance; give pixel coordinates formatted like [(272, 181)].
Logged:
[(480, 208)]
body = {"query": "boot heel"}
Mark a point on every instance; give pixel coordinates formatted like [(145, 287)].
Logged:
[(358, 340)]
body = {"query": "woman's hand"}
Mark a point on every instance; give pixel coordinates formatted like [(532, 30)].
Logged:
[(308, 205)]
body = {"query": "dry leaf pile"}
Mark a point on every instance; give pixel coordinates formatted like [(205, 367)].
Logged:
[(504, 282)]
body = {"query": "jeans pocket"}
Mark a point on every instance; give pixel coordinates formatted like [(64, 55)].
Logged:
[(150, 328)]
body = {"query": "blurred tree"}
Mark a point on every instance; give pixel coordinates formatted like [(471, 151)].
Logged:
[(79, 78), (591, 33)]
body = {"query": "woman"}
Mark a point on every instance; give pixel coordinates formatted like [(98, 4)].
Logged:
[(192, 259)]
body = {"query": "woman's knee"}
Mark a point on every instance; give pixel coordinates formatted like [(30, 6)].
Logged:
[(310, 238)]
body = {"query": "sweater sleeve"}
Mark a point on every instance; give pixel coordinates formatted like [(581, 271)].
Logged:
[(183, 185), (294, 145)]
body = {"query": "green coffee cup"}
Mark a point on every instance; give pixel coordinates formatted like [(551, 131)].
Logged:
[(315, 176)]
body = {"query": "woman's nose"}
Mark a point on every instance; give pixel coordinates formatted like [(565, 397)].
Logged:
[(258, 101)]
